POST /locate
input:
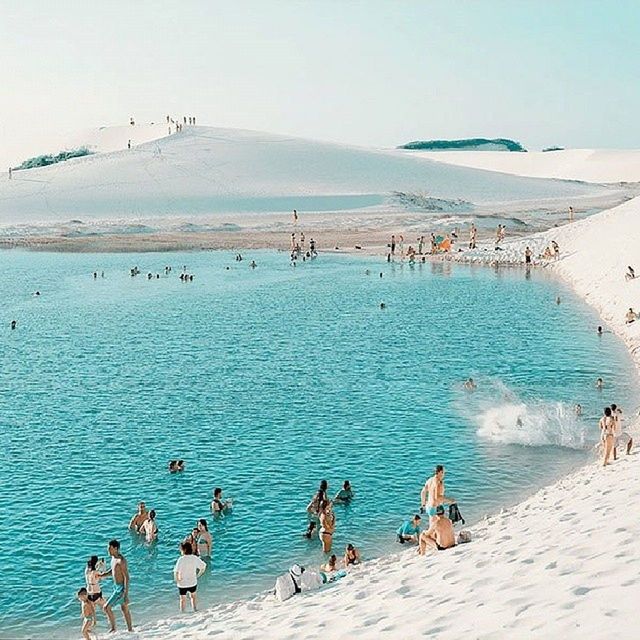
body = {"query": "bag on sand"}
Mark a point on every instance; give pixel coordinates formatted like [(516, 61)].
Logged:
[(311, 580), (288, 584), (464, 536), (454, 514)]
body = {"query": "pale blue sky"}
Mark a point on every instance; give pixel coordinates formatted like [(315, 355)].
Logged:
[(373, 73)]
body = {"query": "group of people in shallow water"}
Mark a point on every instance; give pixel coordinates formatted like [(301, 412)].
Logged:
[(196, 550)]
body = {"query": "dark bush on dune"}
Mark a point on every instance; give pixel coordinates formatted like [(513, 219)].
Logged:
[(46, 160)]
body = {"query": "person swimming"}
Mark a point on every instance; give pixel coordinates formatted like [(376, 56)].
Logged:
[(345, 494), (470, 385)]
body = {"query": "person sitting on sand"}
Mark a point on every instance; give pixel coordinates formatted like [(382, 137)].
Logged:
[(470, 385), (440, 534), (331, 565), (149, 527), (88, 614), (345, 495), (432, 494), (351, 556), (631, 316), (218, 505), (607, 434), (631, 274), (547, 255), (327, 526), (409, 530), (139, 518), (556, 249)]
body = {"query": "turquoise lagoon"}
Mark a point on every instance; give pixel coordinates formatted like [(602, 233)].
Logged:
[(266, 381)]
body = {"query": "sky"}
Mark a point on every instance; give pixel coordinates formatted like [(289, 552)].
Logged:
[(373, 73)]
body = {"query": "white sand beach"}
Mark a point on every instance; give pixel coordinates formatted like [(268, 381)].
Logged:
[(563, 563)]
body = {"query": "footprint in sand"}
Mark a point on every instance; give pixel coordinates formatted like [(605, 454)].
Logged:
[(581, 591), (551, 565)]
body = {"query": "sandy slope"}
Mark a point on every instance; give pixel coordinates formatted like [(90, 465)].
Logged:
[(563, 563), (590, 165), (205, 170)]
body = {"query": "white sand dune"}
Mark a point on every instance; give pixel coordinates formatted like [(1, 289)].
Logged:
[(590, 165), (205, 170), (562, 564)]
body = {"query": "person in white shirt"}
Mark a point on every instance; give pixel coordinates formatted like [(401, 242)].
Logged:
[(186, 573), (149, 527)]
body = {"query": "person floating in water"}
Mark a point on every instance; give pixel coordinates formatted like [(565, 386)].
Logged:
[(470, 385), (383, 305)]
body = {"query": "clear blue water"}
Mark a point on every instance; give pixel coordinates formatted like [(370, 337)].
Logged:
[(266, 381)]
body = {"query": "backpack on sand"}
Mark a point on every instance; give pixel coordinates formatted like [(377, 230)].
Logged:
[(454, 514)]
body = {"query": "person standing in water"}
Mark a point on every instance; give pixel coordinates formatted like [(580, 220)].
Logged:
[(345, 494), (314, 507), (138, 519), (607, 435), (527, 255), (327, 526), (149, 527), (393, 245), (186, 572), (204, 540), (120, 573)]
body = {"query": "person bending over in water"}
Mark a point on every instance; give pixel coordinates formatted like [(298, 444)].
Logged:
[(88, 614), (409, 530), (345, 495), (139, 518), (351, 555), (327, 526), (470, 385), (432, 494), (313, 508), (218, 505), (440, 534), (607, 435)]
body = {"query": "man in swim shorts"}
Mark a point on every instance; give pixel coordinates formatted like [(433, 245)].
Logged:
[(120, 573), (432, 494), (440, 534)]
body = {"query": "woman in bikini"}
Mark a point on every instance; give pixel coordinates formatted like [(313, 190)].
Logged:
[(607, 426), (327, 526), (351, 556)]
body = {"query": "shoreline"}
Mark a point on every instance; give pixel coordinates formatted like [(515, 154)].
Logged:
[(568, 582)]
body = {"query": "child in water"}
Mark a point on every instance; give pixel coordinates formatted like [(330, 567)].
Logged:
[(88, 614)]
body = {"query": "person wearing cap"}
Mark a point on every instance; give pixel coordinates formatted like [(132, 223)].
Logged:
[(409, 530), (440, 534)]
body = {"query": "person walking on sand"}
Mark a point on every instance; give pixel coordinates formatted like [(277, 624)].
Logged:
[(473, 234), (439, 536), (607, 435), (622, 439), (327, 526), (186, 572), (120, 573), (432, 494), (295, 217)]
